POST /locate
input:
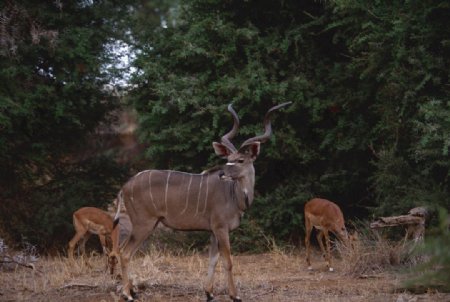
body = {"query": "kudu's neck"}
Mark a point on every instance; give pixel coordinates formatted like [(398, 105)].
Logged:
[(247, 185)]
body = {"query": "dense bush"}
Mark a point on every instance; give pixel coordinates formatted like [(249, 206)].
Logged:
[(53, 95), (369, 125), (368, 128)]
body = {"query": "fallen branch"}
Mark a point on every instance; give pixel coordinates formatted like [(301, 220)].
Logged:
[(29, 265), (8, 259), (414, 221), (396, 220)]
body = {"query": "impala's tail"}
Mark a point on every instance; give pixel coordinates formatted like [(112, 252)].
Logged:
[(119, 201)]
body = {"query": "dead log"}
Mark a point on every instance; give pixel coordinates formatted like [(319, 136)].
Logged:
[(383, 222), (414, 223)]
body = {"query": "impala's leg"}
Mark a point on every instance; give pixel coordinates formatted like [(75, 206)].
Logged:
[(327, 242), (223, 239), (82, 249), (138, 234), (111, 253), (82, 245), (111, 263), (73, 242), (320, 237), (308, 229), (79, 230), (102, 238), (213, 259)]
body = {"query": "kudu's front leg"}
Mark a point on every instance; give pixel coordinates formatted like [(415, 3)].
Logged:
[(213, 259), (223, 239)]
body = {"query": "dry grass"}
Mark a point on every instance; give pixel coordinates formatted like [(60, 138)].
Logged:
[(275, 276), (371, 255)]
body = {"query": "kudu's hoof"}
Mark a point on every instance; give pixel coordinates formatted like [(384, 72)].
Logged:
[(235, 299), (209, 297), (130, 299)]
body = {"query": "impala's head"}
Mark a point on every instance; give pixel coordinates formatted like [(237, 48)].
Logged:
[(350, 239), (240, 161), (342, 233)]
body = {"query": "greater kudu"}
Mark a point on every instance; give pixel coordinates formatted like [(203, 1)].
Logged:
[(213, 201)]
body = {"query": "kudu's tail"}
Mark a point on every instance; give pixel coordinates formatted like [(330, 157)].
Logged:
[(119, 201)]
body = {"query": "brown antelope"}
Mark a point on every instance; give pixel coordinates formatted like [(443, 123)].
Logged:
[(89, 220), (325, 216), (212, 201)]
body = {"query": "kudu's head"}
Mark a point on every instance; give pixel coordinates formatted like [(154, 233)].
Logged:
[(240, 161)]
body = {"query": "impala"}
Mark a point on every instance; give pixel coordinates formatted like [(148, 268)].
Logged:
[(89, 220), (212, 201), (325, 216)]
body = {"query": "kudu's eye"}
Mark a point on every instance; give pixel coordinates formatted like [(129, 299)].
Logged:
[(241, 161)]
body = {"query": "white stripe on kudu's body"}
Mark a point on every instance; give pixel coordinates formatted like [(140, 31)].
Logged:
[(199, 193), (150, 188), (167, 189), (187, 195), (212, 201), (206, 197)]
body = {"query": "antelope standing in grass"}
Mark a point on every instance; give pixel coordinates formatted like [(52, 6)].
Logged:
[(90, 220), (325, 216), (212, 201)]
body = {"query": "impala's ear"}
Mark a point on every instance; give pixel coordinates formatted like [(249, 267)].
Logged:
[(252, 149), (221, 150)]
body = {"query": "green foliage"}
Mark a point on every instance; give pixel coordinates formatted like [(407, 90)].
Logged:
[(44, 216), (250, 237), (280, 213), (399, 52), (53, 95), (435, 271), (368, 127)]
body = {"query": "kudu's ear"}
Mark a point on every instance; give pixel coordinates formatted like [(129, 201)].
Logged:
[(221, 150), (252, 149)]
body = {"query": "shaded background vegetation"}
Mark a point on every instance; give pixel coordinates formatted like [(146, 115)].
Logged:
[(369, 127)]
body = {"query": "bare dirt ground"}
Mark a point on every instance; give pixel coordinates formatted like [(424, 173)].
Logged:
[(267, 277)]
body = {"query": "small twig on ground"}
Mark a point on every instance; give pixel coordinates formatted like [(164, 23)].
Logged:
[(77, 285), (271, 290), (365, 276)]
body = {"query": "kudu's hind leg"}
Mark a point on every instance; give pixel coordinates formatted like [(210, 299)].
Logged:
[(223, 239), (138, 234), (213, 259)]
